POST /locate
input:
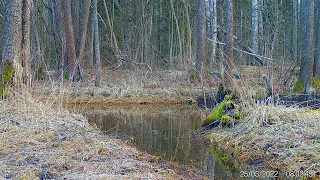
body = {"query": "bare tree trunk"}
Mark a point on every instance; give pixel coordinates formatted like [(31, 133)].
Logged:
[(83, 34), (113, 36), (11, 53), (307, 45), (201, 36), (288, 11), (26, 42), (213, 28), (69, 38), (96, 43), (178, 32), (295, 30), (229, 63), (316, 69), (189, 33), (255, 25)]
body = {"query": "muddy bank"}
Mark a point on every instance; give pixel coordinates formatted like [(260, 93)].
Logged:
[(128, 101), (38, 141)]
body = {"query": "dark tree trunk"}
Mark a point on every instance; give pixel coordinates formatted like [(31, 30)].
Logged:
[(70, 44), (83, 35), (307, 45), (229, 63), (316, 69), (12, 38)]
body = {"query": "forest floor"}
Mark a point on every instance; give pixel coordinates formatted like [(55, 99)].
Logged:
[(38, 141), (269, 137)]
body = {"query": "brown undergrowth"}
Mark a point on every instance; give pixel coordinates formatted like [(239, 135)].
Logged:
[(41, 141), (274, 137), (268, 137)]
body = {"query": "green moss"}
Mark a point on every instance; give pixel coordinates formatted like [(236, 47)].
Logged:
[(312, 110), (229, 97), (237, 115), (316, 83), (226, 162), (225, 119), (8, 72), (217, 112), (194, 76), (298, 86), (65, 75)]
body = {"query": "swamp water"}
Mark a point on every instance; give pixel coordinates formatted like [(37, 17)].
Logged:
[(160, 131)]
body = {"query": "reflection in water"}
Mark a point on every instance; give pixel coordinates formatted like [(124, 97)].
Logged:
[(163, 131)]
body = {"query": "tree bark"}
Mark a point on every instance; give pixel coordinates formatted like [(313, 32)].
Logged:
[(96, 43), (255, 25), (213, 27), (26, 41), (83, 35), (307, 45), (316, 69), (69, 38), (201, 36), (229, 63), (11, 53)]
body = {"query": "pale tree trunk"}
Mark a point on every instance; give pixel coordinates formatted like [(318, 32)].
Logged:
[(96, 43), (213, 27), (288, 38), (307, 45), (261, 26), (26, 42), (11, 53), (255, 25), (295, 30), (200, 36), (69, 38), (229, 63)]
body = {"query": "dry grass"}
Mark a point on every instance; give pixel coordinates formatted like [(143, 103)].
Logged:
[(124, 83), (38, 140), (269, 137), (274, 137)]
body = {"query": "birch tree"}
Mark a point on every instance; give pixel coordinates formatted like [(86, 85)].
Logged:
[(96, 48), (255, 25)]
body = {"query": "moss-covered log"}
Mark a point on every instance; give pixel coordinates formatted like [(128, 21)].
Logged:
[(6, 76), (220, 112)]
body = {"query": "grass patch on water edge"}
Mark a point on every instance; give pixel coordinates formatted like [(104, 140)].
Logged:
[(274, 137)]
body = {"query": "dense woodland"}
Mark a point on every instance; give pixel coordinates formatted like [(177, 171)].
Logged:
[(66, 37)]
